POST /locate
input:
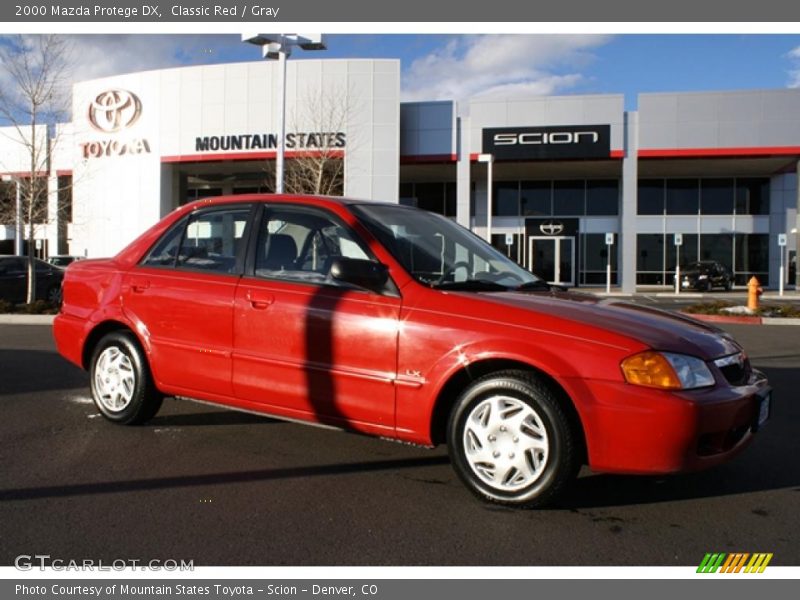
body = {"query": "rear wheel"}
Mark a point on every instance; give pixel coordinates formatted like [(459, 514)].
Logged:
[(511, 440), (122, 386), (53, 295)]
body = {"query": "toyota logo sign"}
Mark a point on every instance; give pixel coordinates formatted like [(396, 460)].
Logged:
[(551, 227), (114, 110)]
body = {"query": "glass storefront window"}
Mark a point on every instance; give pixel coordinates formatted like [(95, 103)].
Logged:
[(430, 196), (717, 246), (568, 197), (752, 196), (751, 257), (650, 257), (716, 196), (506, 199), (450, 199), (602, 197), (536, 198), (650, 197), (595, 259), (688, 250), (682, 196)]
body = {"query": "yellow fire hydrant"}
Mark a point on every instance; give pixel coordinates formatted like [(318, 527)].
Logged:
[(754, 290)]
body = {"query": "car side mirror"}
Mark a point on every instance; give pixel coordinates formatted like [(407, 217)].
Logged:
[(366, 274)]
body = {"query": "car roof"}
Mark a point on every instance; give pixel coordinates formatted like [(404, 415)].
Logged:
[(281, 198)]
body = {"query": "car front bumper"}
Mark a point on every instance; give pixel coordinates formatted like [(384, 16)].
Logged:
[(633, 429)]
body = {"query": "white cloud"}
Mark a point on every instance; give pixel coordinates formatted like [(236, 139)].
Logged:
[(794, 72), (493, 65)]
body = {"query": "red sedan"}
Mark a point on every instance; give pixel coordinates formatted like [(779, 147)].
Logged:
[(396, 322)]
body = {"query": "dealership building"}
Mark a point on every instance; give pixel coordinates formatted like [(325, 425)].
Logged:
[(577, 182)]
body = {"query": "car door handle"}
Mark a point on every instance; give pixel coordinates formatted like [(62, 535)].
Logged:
[(259, 299), (139, 285)]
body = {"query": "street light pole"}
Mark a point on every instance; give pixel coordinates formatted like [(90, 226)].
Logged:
[(280, 157), (279, 46), (489, 160)]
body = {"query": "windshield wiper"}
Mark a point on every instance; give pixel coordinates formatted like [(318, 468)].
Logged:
[(471, 285), (531, 286)]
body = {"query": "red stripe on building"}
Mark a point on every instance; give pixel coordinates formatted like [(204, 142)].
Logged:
[(718, 152)]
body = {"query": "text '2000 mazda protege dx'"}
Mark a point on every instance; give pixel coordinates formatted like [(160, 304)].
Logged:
[(396, 322)]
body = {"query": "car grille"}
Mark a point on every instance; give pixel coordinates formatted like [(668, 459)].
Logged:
[(735, 368)]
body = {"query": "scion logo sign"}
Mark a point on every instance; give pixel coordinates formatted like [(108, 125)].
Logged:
[(536, 143), (110, 112), (114, 110)]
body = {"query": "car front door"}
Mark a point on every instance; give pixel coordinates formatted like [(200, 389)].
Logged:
[(305, 346), (182, 296)]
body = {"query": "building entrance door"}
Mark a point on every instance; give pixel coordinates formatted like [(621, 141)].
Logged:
[(552, 258)]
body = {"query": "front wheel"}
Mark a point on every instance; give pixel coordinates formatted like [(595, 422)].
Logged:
[(122, 386), (511, 440)]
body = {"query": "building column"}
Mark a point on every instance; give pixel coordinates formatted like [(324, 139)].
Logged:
[(626, 246), (53, 217), (797, 234), (463, 174)]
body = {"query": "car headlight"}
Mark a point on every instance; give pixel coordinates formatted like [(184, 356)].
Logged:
[(702, 277), (666, 370)]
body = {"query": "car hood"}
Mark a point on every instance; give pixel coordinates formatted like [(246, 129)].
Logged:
[(656, 328)]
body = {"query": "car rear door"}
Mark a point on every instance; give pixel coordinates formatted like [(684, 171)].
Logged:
[(306, 347), (13, 279), (182, 295)]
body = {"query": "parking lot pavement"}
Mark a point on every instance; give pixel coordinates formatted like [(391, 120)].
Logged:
[(223, 488)]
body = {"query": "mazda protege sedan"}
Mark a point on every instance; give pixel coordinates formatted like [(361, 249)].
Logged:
[(396, 322)]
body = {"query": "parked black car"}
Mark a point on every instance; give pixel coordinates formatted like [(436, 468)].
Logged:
[(14, 280), (705, 275)]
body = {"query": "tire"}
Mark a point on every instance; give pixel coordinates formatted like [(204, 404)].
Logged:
[(122, 385), (511, 440)]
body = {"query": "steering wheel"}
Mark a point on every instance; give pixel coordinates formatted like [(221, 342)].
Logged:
[(452, 271)]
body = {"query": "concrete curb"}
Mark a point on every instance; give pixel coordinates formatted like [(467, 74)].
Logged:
[(777, 321), (26, 319), (736, 319), (743, 320)]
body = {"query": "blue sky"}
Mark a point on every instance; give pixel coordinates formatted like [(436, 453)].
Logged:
[(460, 66)]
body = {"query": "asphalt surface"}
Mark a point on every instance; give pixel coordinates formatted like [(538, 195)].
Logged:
[(223, 488)]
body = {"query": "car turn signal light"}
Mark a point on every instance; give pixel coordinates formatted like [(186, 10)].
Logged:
[(650, 369)]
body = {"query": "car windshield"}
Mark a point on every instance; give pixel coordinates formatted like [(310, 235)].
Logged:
[(439, 253), (699, 266)]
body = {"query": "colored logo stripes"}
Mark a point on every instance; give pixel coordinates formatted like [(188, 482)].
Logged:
[(734, 563)]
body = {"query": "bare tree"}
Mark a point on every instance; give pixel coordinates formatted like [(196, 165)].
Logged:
[(34, 97), (319, 141)]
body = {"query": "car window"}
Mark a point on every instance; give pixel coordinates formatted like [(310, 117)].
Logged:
[(207, 241), (299, 245), (165, 251), (438, 252), (12, 266)]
